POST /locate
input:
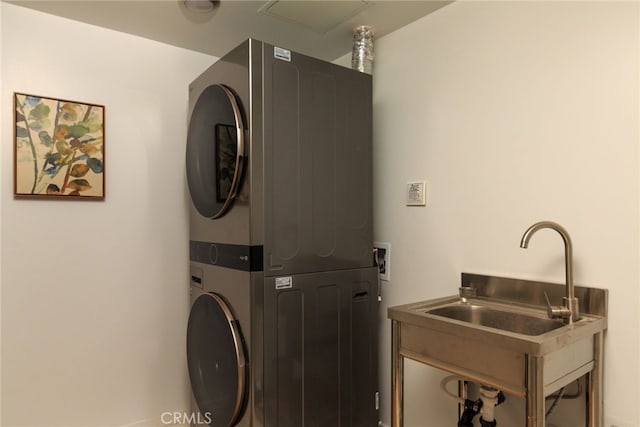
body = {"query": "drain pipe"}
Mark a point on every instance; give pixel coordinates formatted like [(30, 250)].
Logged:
[(490, 398), (485, 405), (471, 409)]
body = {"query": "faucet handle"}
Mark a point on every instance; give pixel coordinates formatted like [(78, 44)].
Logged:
[(556, 312)]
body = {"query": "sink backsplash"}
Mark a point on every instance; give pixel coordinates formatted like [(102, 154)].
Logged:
[(593, 301)]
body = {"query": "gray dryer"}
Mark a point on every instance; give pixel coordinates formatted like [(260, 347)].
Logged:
[(283, 329)]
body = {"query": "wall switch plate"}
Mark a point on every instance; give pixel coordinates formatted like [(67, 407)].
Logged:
[(383, 259), (416, 193)]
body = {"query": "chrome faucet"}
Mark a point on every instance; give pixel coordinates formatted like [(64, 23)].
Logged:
[(570, 312)]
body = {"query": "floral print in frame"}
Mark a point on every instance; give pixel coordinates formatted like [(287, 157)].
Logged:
[(59, 148)]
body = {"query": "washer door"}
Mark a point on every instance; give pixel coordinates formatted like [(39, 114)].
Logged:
[(217, 361), (215, 151)]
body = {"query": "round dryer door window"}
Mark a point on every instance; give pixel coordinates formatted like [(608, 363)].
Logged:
[(217, 360), (215, 151)]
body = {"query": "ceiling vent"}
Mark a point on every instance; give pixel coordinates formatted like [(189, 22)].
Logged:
[(318, 16)]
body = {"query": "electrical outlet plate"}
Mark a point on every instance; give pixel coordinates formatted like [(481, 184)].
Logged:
[(416, 193), (384, 259)]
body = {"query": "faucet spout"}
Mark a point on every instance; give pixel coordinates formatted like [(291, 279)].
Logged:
[(570, 311)]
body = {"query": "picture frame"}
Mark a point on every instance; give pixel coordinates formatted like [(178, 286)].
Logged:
[(59, 148)]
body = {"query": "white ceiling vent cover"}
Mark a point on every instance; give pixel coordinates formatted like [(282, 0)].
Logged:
[(317, 16)]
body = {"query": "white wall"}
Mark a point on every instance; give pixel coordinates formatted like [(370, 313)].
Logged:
[(514, 112), (95, 294)]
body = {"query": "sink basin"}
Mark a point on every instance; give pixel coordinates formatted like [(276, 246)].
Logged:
[(498, 319)]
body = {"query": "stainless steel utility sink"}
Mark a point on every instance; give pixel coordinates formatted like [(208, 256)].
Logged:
[(499, 335), (512, 321)]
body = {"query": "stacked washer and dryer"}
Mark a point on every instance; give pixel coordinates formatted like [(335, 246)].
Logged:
[(283, 328)]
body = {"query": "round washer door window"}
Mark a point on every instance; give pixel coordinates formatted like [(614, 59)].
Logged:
[(217, 360), (215, 151)]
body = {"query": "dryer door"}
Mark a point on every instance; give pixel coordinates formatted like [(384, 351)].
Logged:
[(215, 151), (217, 360)]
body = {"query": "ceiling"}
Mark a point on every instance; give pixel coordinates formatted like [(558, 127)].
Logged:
[(318, 28)]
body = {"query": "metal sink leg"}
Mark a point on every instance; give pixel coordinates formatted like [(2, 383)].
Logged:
[(535, 392), (595, 414)]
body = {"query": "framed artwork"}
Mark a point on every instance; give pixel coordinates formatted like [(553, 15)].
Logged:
[(58, 148)]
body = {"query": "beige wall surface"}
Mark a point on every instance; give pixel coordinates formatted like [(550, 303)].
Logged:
[(95, 294), (513, 112)]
